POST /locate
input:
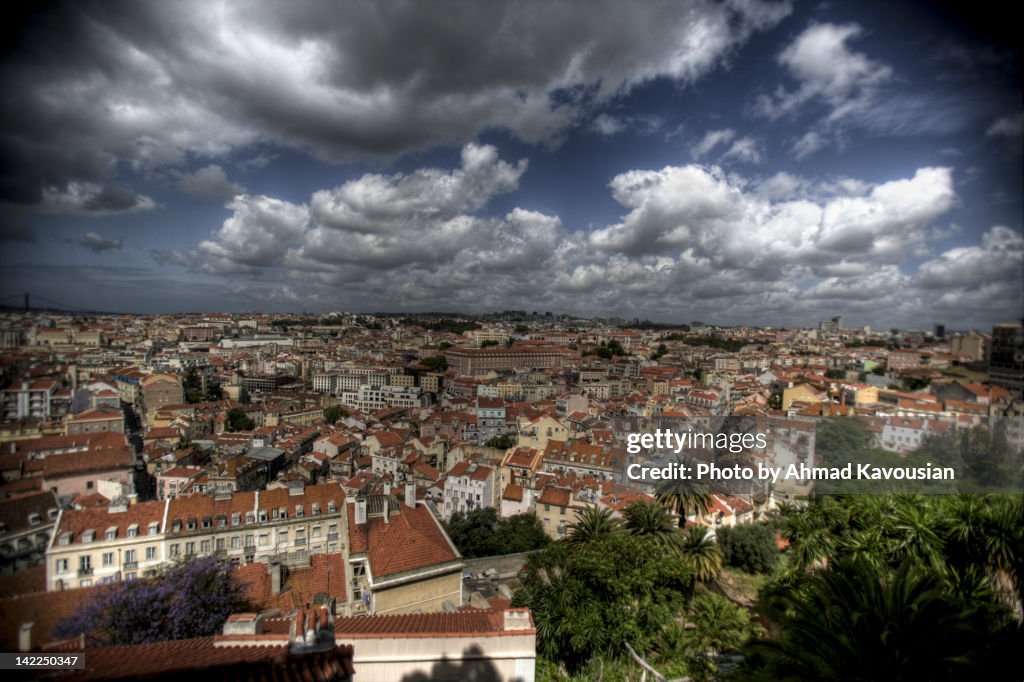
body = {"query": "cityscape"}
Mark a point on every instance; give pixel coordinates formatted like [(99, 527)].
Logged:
[(511, 341)]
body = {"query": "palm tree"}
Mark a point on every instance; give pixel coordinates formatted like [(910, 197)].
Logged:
[(592, 524), (684, 497), (649, 519), (701, 553), (856, 621)]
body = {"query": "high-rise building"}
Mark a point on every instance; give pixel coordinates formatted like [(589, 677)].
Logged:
[(1006, 359)]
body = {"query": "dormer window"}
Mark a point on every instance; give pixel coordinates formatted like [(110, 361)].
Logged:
[(111, 534), (275, 513), (263, 514), (236, 518), (316, 509), (207, 521), (299, 511), (331, 508), (222, 521), (191, 523), (34, 519), (176, 525), (133, 530), (250, 517), (52, 513), (154, 528), (89, 536), (65, 538)]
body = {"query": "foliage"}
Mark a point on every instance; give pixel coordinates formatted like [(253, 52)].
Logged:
[(482, 532), (720, 626), (437, 363), (244, 397), (443, 325), (835, 374), (190, 599), (650, 519), (488, 343), (592, 525), (684, 498), (522, 328), (588, 600), (701, 552), (502, 440), (659, 352), (238, 420), (333, 413), (444, 345), (749, 547), (861, 621)]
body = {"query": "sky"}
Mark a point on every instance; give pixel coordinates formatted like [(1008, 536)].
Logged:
[(737, 162)]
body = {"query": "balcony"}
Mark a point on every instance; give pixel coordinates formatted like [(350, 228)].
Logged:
[(84, 571), (131, 565), (300, 542), (331, 537)]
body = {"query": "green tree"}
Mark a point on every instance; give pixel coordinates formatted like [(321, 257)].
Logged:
[(650, 519), (488, 343), (592, 525), (856, 621), (748, 547), (684, 498), (437, 363), (701, 553), (238, 420), (503, 441), (333, 413)]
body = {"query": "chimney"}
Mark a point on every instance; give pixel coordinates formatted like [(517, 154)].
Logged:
[(387, 488), (517, 619), (361, 511), (25, 637), (410, 494), (275, 578)]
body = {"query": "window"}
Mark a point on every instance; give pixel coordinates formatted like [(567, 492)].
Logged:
[(65, 539), (263, 515), (250, 540), (190, 548), (282, 536), (130, 576), (204, 546), (52, 513), (111, 534), (264, 539), (85, 563), (222, 521), (191, 525), (108, 558), (88, 486), (236, 542), (547, 507), (249, 517), (175, 551), (129, 556), (62, 566), (236, 519), (87, 582), (298, 510), (207, 522), (331, 507), (561, 510), (275, 513), (34, 519), (150, 553), (154, 528), (220, 544), (316, 531), (316, 509), (88, 536), (133, 530)]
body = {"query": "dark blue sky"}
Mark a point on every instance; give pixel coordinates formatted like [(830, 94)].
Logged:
[(739, 162)]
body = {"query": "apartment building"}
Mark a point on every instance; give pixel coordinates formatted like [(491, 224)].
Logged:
[(469, 486)]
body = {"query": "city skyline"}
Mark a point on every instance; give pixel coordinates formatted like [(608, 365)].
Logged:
[(739, 163)]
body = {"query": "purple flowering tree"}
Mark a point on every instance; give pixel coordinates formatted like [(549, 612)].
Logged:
[(190, 599)]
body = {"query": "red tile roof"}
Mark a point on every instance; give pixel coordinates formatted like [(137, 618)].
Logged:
[(411, 540), (100, 519), (469, 622)]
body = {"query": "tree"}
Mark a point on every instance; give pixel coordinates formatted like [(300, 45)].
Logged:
[(482, 532), (590, 600), (333, 413), (592, 525), (652, 520), (243, 396), (437, 363), (835, 374), (190, 599), (856, 621), (503, 441), (701, 553), (719, 626), (238, 420), (684, 497), (748, 547), (488, 343)]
